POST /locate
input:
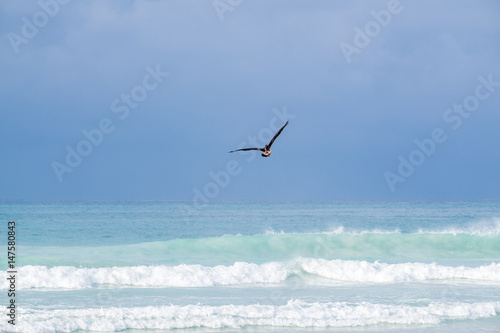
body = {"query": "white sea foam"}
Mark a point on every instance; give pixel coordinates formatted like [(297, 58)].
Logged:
[(479, 228), (376, 272), (295, 313), (340, 230), (67, 277), (490, 227)]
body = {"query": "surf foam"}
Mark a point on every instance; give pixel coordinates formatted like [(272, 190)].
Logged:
[(295, 313), (68, 277), (376, 272)]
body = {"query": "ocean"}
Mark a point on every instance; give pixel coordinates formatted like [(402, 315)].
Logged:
[(252, 267)]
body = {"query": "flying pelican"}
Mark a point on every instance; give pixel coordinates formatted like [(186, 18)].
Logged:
[(266, 151)]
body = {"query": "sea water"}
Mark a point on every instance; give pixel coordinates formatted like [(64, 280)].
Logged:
[(254, 267)]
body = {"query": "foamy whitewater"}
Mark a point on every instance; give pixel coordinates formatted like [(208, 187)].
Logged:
[(159, 266)]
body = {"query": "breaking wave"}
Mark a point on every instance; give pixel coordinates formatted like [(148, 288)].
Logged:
[(225, 250), (294, 314), (347, 271)]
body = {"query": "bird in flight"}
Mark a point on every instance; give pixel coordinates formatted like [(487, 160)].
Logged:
[(266, 151)]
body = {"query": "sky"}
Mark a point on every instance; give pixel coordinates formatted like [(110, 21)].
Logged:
[(143, 100)]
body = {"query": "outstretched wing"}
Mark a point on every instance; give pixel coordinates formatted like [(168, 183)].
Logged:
[(245, 149), (276, 135)]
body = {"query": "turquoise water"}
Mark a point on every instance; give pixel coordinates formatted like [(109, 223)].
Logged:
[(140, 266)]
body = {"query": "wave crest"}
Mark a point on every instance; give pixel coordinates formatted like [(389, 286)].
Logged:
[(346, 271), (67, 277), (376, 272), (225, 250)]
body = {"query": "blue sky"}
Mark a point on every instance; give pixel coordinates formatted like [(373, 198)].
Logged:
[(172, 86)]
